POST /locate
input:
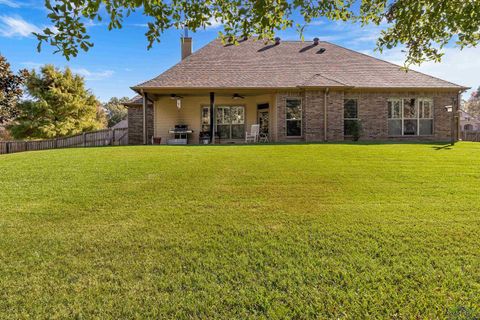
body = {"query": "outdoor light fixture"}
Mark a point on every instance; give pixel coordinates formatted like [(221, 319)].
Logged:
[(178, 99), (236, 96), (450, 109)]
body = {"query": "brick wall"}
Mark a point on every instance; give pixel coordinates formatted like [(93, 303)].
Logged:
[(372, 110), (135, 124), (313, 114), (335, 115)]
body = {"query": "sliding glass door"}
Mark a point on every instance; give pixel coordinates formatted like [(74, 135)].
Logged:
[(231, 122)]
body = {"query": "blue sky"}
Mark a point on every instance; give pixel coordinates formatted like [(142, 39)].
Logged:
[(120, 59)]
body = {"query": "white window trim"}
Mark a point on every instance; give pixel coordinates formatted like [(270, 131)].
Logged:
[(301, 117), (229, 106), (417, 106)]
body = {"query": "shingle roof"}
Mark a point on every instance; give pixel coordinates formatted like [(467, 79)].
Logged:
[(138, 99), (290, 64)]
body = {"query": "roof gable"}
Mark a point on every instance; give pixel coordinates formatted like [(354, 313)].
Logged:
[(290, 64)]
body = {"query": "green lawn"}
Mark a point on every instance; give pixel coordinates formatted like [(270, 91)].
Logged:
[(273, 231)]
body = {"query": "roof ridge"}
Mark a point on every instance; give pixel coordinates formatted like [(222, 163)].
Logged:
[(309, 79), (396, 65), (321, 75)]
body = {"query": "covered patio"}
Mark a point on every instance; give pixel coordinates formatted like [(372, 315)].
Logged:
[(184, 116)]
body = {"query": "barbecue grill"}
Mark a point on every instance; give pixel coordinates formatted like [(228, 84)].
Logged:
[(180, 134)]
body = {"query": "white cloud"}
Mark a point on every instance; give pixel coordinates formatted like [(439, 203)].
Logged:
[(90, 23), (12, 26), (214, 23), (31, 65), (91, 75), (316, 23), (458, 66), (87, 74), (353, 35), (10, 3), (140, 25)]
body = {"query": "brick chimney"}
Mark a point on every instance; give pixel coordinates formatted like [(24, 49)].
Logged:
[(186, 43)]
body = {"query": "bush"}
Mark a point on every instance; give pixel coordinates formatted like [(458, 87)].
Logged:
[(356, 129)]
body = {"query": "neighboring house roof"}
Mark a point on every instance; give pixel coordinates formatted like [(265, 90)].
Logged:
[(137, 100), (121, 125), (465, 116), (290, 64)]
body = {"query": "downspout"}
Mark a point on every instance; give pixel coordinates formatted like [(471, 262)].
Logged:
[(275, 116), (325, 117), (144, 96), (452, 122), (459, 97), (304, 115)]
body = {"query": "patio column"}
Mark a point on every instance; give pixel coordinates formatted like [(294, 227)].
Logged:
[(212, 117)]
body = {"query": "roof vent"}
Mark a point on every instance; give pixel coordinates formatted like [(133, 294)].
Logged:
[(277, 41), (322, 50), (316, 41)]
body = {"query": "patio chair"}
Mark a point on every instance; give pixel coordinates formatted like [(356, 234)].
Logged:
[(253, 134)]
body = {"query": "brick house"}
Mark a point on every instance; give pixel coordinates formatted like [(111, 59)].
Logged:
[(296, 91)]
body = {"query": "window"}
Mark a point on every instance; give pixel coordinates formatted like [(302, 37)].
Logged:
[(350, 116), (231, 122), (294, 117), (205, 126), (425, 116), (410, 117)]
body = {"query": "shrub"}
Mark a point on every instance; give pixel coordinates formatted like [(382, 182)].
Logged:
[(356, 129)]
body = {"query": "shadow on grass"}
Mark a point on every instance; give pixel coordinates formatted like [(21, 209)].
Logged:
[(444, 147), (437, 145)]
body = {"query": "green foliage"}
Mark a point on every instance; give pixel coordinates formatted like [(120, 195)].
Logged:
[(356, 129), (116, 110), (4, 134), (423, 26), (59, 105), (312, 231), (10, 90)]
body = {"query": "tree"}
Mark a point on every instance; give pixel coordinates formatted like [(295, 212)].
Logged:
[(424, 27), (116, 110), (472, 105), (59, 106), (10, 90)]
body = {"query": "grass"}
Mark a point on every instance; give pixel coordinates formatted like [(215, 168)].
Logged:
[(274, 231)]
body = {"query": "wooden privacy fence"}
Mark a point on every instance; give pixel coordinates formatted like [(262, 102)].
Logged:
[(471, 136), (106, 137)]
